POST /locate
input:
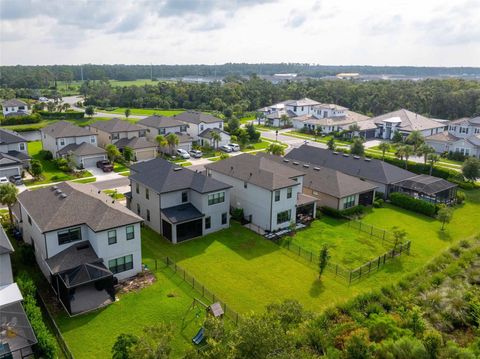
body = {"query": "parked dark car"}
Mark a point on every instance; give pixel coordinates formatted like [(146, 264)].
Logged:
[(16, 180), (105, 165)]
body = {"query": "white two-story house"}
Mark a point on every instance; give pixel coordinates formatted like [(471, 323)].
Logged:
[(201, 125), (267, 191), (176, 202), (462, 135), (161, 125), (63, 138), (83, 241), (13, 153), (14, 107)]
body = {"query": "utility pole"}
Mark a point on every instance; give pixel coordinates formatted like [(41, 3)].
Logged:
[(81, 72), (151, 71)]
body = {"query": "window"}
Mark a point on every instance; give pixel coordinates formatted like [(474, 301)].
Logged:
[(130, 232), (224, 218), (277, 195), (147, 193), (245, 185), (161, 131), (121, 264), (142, 133), (92, 139), (138, 208), (115, 136), (62, 142), (220, 125), (201, 127), (349, 202), (289, 192), (69, 235), (137, 188), (148, 215), (183, 128), (29, 220), (216, 198), (208, 223), (112, 237), (284, 216), (22, 147)]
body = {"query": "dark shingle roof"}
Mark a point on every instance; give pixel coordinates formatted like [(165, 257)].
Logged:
[(8, 137), (116, 125), (257, 170), (160, 122), (426, 184), (8, 160), (208, 132), (135, 143), (325, 180), (373, 170), (72, 257), (65, 129), (82, 149), (82, 205), (182, 213), (13, 103), (19, 155), (163, 176), (197, 117)]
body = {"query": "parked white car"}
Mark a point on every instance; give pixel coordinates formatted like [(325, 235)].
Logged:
[(226, 148), (4, 180), (183, 154), (195, 153), (234, 147)]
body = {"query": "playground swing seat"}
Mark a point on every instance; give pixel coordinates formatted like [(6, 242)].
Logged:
[(197, 339)]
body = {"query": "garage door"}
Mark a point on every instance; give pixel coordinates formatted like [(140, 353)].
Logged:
[(189, 230), (7, 172), (145, 155), (92, 161), (187, 146)]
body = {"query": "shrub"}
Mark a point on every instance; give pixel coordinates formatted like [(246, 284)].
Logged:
[(46, 155), (237, 214), (350, 212), (413, 204), (224, 156), (378, 203), (70, 115), (21, 120)]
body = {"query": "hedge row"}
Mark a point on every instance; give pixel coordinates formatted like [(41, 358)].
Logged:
[(69, 115), (46, 346), (413, 204), (21, 120), (350, 212)]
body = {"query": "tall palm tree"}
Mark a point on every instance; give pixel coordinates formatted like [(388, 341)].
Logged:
[(276, 149), (408, 151), (415, 138), (384, 147), (172, 140), (424, 150), (284, 120), (8, 197), (353, 129), (432, 159), (400, 152), (162, 142), (216, 138)]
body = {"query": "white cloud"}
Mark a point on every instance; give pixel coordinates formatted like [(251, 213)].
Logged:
[(377, 32)]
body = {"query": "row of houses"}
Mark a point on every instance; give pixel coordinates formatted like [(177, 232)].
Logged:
[(87, 144)]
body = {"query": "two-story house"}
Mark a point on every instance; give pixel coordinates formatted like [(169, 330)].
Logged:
[(62, 139), (83, 241), (14, 107), (201, 125), (177, 202), (462, 135), (161, 125), (123, 134), (267, 191), (13, 153), (16, 334)]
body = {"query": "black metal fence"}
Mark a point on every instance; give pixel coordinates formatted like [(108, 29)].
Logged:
[(198, 286), (373, 231)]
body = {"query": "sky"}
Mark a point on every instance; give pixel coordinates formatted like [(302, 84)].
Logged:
[(327, 32)]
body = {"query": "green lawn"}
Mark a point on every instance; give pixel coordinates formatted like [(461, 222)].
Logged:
[(167, 300), (114, 194), (349, 247), (143, 111), (118, 167), (50, 171), (256, 146), (322, 139)]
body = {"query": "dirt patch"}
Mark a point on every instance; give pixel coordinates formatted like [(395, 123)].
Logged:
[(140, 281)]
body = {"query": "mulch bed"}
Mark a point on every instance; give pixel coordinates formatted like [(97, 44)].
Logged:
[(142, 280)]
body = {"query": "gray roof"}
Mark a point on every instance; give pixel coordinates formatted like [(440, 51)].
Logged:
[(197, 117), (19, 155), (410, 121), (72, 257), (82, 149), (5, 245), (442, 137), (426, 184), (325, 180), (332, 106), (302, 102), (135, 143), (160, 122), (208, 132), (13, 103), (258, 170), (183, 137), (474, 121), (182, 213), (371, 169), (279, 113), (364, 122), (8, 137), (163, 176), (116, 125), (82, 205), (65, 129), (8, 160)]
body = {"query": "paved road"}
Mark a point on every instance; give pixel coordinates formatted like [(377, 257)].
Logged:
[(112, 183), (72, 100)]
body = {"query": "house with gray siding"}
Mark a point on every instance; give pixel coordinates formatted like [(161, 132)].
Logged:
[(177, 202), (83, 241), (200, 125), (268, 192), (162, 125), (14, 156)]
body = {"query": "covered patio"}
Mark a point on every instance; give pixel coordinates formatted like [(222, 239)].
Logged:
[(428, 188), (182, 222), (306, 208)]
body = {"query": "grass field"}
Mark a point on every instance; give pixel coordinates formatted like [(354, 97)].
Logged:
[(143, 111), (348, 246), (167, 300), (50, 171)]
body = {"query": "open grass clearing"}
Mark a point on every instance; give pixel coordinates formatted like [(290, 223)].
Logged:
[(143, 111)]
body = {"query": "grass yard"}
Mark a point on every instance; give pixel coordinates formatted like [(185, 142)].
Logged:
[(256, 146), (321, 139), (167, 300), (50, 171), (114, 194), (349, 247), (143, 111), (118, 167)]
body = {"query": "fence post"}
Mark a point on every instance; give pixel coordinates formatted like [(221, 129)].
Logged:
[(193, 282), (167, 262), (350, 277), (236, 321), (203, 290), (156, 267)]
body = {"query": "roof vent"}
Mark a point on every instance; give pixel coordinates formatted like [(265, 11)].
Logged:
[(58, 190), (368, 159), (295, 163), (63, 195), (306, 165), (285, 160), (316, 168), (345, 155), (177, 169), (356, 157), (335, 152), (54, 188)]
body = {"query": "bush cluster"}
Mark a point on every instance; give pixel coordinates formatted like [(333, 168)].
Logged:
[(413, 204), (21, 120), (69, 115), (350, 212)]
